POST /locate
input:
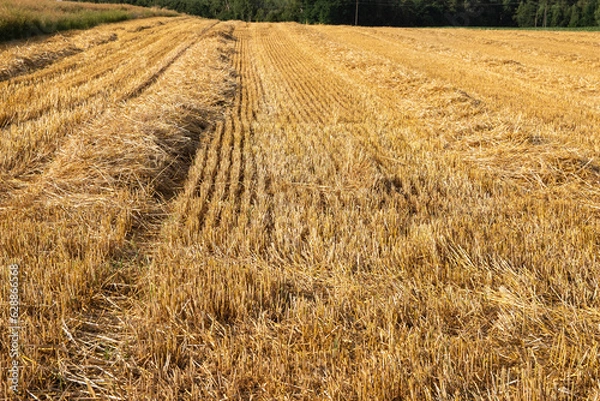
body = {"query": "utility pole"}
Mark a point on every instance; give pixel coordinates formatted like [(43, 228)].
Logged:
[(356, 14)]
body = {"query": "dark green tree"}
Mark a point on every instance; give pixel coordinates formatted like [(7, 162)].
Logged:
[(526, 13), (575, 16)]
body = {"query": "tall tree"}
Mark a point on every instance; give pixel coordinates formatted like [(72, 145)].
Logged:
[(526, 13)]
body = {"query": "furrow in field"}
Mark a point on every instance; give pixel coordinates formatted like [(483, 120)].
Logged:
[(226, 207)]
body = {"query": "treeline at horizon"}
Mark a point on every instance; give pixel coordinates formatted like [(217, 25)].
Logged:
[(484, 13)]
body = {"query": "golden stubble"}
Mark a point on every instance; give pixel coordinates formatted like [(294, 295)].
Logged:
[(277, 211)]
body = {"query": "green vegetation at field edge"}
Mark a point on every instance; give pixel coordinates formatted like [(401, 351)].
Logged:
[(27, 18)]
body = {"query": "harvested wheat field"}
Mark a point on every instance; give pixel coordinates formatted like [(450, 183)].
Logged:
[(200, 210)]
